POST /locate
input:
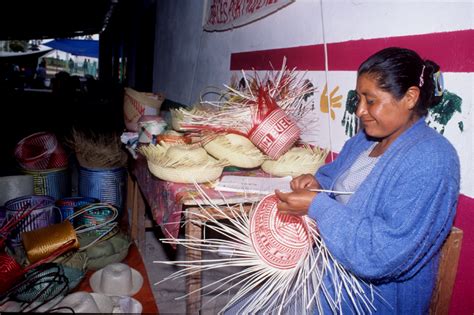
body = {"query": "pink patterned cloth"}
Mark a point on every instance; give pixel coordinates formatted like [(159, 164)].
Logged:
[(166, 199)]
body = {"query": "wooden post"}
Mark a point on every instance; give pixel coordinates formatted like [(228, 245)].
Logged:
[(193, 281)]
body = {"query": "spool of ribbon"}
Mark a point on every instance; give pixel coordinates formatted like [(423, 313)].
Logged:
[(40, 243)]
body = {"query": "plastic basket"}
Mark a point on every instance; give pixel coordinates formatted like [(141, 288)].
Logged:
[(136, 104), (40, 151), (53, 182), (44, 216), (107, 185), (67, 205), (99, 215)]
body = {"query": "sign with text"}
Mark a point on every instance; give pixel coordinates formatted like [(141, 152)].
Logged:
[(226, 14)]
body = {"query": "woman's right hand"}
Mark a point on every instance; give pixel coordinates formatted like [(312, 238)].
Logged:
[(305, 181)]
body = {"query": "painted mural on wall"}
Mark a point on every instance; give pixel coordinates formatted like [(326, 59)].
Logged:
[(226, 14), (438, 116), (329, 102)]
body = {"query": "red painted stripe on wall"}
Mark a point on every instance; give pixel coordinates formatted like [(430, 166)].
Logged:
[(453, 51), (462, 301)]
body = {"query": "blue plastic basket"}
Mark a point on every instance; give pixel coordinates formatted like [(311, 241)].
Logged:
[(67, 205), (45, 215), (53, 182), (107, 185)]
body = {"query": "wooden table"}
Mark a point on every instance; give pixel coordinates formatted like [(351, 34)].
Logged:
[(166, 201)]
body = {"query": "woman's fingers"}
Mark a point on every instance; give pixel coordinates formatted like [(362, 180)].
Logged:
[(303, 182), (296, 202)]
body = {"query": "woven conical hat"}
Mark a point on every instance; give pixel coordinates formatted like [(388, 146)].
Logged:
[(182, 163), (295, 162), (236, 149)]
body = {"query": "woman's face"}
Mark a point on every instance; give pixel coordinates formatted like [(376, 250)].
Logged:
[(382, 116)]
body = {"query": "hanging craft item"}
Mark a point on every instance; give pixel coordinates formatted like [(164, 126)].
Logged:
[(297, 161), (182, 163), (236, 149), (285, 265), (265, 110)]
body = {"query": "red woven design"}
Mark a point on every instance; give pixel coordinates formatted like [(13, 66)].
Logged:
[(276, 134), (280, 240), (10, 272), (40, 151), (136, 104)]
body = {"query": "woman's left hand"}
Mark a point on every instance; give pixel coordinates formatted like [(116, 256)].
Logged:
[(296, 202)]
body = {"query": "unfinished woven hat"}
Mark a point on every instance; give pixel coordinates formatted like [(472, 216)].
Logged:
[(116, 279), (236, 149), (182, 163), (85, 302), (286, 264), (280, 240), (297, 161)]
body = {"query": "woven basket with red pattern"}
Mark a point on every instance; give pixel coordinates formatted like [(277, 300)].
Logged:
[(40, 151)]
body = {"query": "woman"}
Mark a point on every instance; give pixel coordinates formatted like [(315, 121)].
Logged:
[(405, 182)]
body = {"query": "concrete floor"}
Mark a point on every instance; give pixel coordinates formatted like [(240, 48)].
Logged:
[(167, 293)]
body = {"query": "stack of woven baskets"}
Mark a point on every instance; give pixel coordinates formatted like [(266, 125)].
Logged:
[(42, 156)]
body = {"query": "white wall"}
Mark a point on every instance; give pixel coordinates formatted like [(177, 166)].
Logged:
[(188, 59)]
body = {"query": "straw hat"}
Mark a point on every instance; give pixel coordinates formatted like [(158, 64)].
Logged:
[(280, 240), (182, 163), (295, 162), (116, 279), (85, 302), (237, 149)]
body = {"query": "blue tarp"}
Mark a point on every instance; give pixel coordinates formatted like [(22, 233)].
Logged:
[(77, 47)]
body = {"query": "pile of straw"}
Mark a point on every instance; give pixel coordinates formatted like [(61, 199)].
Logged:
[(97, 150)]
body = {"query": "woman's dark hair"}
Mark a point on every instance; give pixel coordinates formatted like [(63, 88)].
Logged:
[(397, 69)]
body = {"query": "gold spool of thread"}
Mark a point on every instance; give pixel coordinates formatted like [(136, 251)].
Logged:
[(42, 242)]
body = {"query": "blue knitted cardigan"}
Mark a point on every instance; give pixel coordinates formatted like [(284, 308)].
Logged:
[(391, 230)]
